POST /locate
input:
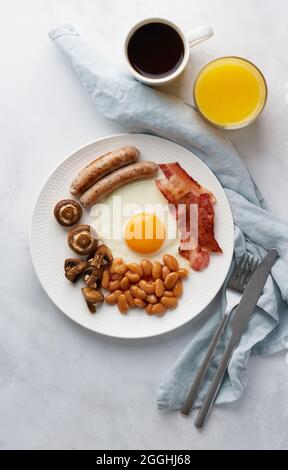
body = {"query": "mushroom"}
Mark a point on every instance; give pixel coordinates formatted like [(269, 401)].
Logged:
[(81, 241), (102, 257), (92, 297), (73, 268), (92, 276), (68, 212)]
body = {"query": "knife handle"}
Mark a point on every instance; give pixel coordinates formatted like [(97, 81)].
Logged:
[(192, 394), (215, 385)]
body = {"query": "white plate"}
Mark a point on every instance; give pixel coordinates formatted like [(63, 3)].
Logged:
[(49, 247)]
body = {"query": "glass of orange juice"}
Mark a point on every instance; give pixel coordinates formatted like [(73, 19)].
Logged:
[(230, 92)]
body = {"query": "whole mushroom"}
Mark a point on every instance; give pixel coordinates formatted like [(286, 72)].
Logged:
[(68, 212), (81, 240)]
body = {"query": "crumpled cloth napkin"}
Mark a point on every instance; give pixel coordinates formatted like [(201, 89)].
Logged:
[(139, 108)]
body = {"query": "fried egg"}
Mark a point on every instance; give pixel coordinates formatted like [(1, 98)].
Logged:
[(136, 223)]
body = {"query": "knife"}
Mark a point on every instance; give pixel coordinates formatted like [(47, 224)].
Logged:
[(238, 322)]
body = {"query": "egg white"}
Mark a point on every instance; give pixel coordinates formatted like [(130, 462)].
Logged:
[(109, 219)]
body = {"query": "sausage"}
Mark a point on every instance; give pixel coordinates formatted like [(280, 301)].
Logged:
[(116, 179), (102, 166)]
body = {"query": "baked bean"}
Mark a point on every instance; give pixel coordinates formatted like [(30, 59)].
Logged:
[(112, 298), (146, 266), (183, 272), (156, 270), (114, 285), (165, 272), (115, 262), (171, 262), (171, 280), (129, 298), (168, 293), (152, 299), (135, 268), (138, 292), (159, 287), (122, 303), (139, 303), (178, 289), (149, 309), (150, 282), (116, 277), (124, 283), (105, 280), (169, 302), (120, 269), (149, 288), (133, 277), (112, 267), (159, 309)]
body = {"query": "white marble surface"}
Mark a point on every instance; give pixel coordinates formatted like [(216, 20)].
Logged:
[(62, 386)]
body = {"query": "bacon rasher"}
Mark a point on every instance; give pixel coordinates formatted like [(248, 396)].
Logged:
[(180, 176), (180, 188)]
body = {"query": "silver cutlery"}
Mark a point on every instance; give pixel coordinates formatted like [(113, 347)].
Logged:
[(238, 322), (235, 287), (242, 276)]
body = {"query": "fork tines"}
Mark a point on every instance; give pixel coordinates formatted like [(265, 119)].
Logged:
[(242, 272)]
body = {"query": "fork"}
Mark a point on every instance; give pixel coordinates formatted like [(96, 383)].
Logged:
[(235, 287)]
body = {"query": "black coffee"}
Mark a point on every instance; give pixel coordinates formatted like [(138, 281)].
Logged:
[(155, 50)]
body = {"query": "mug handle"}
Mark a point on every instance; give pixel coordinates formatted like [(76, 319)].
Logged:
[(199, 34)]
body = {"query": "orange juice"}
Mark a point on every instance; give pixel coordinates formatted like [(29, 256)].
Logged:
[(230, 92)]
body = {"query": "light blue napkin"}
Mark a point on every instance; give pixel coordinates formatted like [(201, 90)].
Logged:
[(139, 108)]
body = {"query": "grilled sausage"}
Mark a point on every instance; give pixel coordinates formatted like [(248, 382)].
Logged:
[(102, 166), (116, 179)]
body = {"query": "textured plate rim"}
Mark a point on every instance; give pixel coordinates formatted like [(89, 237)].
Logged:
[(112, 136)]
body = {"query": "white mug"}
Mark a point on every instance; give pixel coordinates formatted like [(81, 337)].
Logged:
[(191, 38)]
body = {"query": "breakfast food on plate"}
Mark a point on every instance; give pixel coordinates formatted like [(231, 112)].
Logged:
[(74, 268), (92, 277), (145, 263), (68, 212), (148, 230), (101, 167), (92, 297), (144, 285), (102, 258), (180, 188), (92, 271), (81, 240), (116, 179)]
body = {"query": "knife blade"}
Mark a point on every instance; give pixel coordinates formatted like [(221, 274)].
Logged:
[(252, 293), (238, 322)]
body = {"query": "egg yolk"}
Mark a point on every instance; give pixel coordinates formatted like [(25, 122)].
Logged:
[(144, 233)]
